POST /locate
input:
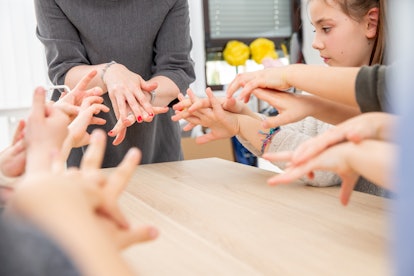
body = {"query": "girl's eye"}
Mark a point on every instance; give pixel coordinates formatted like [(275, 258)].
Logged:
[(326, 29)]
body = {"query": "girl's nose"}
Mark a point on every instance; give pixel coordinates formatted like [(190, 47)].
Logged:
[(317, 44)]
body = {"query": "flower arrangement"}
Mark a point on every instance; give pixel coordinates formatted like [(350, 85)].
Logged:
[(236, 53), (262, 48)]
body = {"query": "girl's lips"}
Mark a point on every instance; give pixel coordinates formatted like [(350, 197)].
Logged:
[(325, 60)]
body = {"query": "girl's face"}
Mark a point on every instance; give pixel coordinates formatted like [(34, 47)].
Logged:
[(340, 40)]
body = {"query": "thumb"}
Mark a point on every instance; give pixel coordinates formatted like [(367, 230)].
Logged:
[(204, 138), (230, 105), (138, 235), (276, 121), (148, 86), (347, 186)]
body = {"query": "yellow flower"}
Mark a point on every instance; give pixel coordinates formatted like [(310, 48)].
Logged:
[(262, 48), (236, 53)]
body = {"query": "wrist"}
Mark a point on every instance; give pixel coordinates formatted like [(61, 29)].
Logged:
[(105, 69), (269, 136), (287, 73), (290, 72)]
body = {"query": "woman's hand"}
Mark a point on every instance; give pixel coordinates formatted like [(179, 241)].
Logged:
[(131, 97)]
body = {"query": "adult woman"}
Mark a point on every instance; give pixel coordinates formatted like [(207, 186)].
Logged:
[(137, 46)]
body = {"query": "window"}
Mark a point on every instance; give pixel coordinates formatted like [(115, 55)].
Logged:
[(246, 20)]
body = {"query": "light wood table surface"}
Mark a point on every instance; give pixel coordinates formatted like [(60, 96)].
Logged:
[(218, 217)]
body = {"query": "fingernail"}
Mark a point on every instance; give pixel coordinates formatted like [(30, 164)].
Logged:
[(111, 133), (151, 114), (139, 118), (153, 232)]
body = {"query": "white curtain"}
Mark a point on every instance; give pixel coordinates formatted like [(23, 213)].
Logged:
[(22, 61)]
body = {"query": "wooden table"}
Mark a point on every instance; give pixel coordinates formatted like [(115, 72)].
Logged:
[(218, 217)]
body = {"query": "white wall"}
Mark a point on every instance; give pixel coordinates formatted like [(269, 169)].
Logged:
[(198, 53), (22, 62), (310, 54)]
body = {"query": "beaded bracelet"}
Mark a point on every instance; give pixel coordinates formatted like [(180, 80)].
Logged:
[(268, 137), (106, 68)]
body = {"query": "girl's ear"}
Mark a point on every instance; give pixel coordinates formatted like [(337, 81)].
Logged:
[(372, 20)]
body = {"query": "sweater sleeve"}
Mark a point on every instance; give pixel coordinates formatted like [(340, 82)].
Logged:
[(173, 46), (370, 89), (63, 45), (292, 135)]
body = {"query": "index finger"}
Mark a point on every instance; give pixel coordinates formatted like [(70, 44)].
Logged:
[(18, 134), (267, 95), (120, 177), (92, 159), (235, 85), (39, 106), (84, 82), (316, 145)]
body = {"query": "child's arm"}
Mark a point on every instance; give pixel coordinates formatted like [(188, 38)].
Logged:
[(372, 159), (334, 83)]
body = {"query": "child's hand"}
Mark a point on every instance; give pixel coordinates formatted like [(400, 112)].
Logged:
[(70, 103), (372, 125), (332, 159)]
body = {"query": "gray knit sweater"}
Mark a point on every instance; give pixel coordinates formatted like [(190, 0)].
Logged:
[(292, 135)]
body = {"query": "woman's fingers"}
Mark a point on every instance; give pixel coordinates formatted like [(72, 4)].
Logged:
[(120, 137), (160, 110), (148, 86)]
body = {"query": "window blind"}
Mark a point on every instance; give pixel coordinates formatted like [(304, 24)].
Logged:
[(249, 19)]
